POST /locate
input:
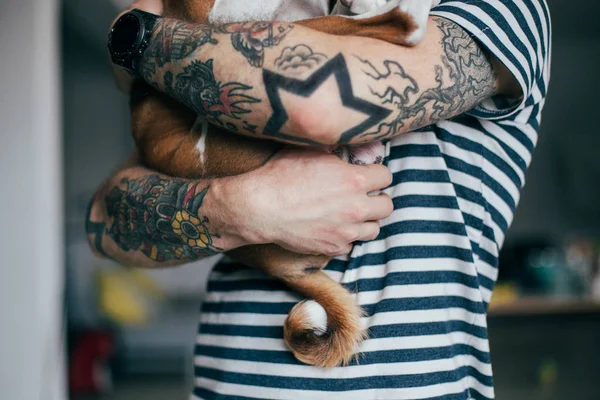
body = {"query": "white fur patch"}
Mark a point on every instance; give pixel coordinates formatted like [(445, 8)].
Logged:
[(201, 125), (419, 11), (363, 6), (379, 10), (316, 315), (226, 11)]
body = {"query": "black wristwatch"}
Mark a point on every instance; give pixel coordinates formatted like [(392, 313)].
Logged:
[(129, 38)]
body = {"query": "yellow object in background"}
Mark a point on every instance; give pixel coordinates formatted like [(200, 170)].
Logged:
[(504, 293), (146, 283), (126, 296)]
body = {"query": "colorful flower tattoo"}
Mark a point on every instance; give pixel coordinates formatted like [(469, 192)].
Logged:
[(161, 218)]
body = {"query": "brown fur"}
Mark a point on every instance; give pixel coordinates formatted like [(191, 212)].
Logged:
[(162, 130), (344, 328)]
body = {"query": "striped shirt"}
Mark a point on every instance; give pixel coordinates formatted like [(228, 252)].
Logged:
[(426, 281)]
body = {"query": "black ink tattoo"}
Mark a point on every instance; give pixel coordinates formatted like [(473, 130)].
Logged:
[(197, 88), (160, 218), (252, 38), (174, 40), (336, 67), (464, 79), (95, 228), (298, 57), (249, 128)]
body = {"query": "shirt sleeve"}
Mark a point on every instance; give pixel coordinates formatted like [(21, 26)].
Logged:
[(517, 33)]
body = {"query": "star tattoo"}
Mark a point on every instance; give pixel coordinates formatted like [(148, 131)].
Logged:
[(336, 68)]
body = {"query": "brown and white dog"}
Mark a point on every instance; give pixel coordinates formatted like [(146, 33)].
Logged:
[(326, 330)]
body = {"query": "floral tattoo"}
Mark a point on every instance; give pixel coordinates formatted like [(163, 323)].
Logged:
[(160, 218)]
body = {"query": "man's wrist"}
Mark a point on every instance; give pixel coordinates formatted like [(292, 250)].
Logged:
[(129, 39), (228, 198), (145, 60)]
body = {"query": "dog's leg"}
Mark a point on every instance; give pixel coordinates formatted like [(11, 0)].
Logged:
[(172, 140), (401, 22)]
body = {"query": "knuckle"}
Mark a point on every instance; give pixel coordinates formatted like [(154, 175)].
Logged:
[(339, 234), (356, 213), (346, 235), (357, 181), (341, 250), (351, 235), (335, 250), (329, 251)]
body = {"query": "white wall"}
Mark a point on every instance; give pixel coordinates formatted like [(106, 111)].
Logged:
[(31, 238)]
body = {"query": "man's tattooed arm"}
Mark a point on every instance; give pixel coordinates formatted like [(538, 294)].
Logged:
[(148, 220), (296, 85), (463, 78)]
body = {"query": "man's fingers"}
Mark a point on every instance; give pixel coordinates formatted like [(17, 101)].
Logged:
[(377, 176), (368, 231), (378, 207)]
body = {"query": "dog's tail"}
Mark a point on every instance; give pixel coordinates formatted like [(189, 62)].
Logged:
[(326, 330)]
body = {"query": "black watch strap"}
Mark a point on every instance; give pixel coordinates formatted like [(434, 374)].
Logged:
[(130, 37), (149, 24)]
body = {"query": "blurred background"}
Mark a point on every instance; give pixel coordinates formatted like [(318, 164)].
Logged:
[(85, 326)]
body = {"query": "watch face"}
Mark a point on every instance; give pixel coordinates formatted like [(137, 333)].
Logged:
[(125, 34)]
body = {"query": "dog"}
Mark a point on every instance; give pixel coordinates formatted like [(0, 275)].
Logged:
[(325, 330)]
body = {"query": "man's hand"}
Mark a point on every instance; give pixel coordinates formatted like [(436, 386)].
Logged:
[(304, 200), (311, 202)]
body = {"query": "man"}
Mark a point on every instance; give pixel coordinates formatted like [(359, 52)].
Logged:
[(471, 94)]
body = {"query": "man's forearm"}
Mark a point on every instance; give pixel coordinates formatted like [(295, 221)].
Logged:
[(144, 219), (293, 84)]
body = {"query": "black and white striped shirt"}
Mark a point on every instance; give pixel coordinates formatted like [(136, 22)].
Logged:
[(426, 281)]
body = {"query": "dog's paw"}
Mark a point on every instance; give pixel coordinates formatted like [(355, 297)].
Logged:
[(358, 7), (416, 11)]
